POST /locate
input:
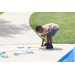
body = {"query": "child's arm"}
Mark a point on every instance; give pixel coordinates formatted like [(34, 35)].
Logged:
[(46, 34), (42, 39)]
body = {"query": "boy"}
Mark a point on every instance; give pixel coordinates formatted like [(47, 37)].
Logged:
[(48, 30)]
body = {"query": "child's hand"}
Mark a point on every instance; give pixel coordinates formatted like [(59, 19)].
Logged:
[(42, 45), (43, 35)]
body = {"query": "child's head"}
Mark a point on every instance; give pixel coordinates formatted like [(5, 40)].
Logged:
[(39, 28)]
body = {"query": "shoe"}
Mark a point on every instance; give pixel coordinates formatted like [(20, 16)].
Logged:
[(46, 44), (49, 47)]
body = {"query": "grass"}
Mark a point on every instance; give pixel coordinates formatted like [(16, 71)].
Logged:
[(65, 20), (1, 13)]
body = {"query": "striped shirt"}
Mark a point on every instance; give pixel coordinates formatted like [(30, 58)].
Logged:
[(49, 27)]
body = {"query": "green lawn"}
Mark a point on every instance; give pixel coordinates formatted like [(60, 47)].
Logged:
[(65, 20), (1, 13)]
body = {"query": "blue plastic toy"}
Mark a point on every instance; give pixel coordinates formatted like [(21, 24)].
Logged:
[(69, 57), (20, 46), (5, 56)]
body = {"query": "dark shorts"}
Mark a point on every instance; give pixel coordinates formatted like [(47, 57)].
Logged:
[(53, 32)]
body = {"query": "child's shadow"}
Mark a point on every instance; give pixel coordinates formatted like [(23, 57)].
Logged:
[(43, 48)]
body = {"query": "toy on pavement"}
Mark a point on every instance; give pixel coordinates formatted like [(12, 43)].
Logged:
[(5, 56), (27, 52), (19, 46), (29, 47), (17, 54), (24, 53), (2, 53), (36, 46)]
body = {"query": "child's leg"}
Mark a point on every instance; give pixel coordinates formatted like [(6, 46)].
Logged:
[(48, 42), (49, 39), (53, 32)]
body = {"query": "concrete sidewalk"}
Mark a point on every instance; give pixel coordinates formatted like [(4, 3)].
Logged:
[(15, 29)]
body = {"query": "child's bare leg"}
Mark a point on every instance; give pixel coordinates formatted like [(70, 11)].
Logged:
[(50, 39)]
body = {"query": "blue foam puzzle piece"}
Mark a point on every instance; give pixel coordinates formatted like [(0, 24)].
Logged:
[(69, 57)]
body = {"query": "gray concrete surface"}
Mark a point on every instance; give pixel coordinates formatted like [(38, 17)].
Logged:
[(15, 30)]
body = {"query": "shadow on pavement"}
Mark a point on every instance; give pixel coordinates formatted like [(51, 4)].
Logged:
[(9, 30), (43, 48)]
